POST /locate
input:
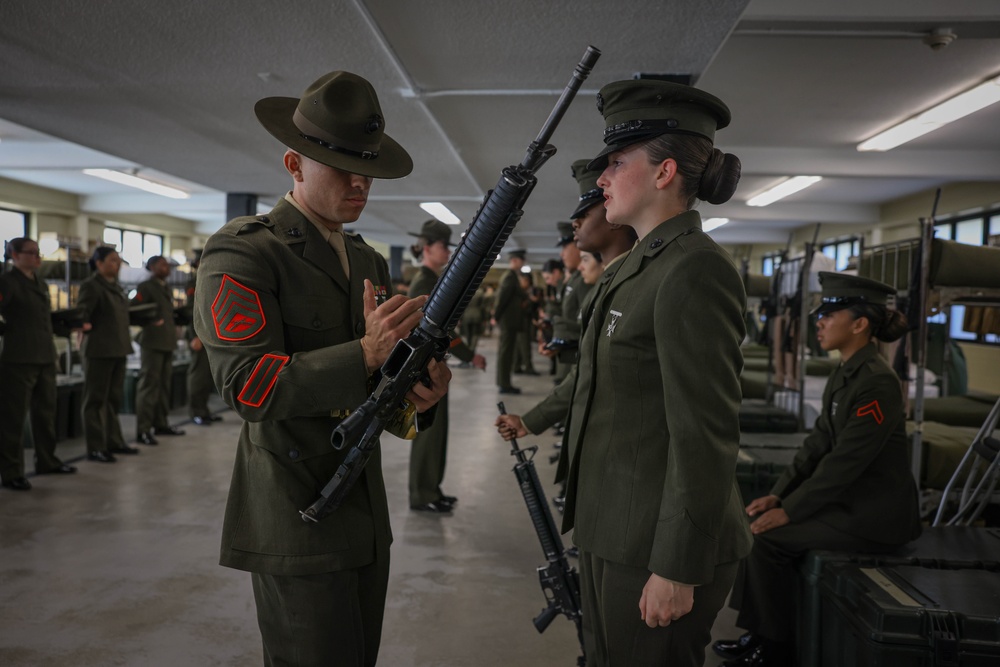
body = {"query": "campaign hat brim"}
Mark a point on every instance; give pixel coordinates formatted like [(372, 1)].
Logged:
[(275, 114)]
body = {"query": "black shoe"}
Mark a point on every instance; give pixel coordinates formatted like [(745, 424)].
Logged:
[(124, 450), (215, 418), (146, 438), (61, 469), (509, 390), (736, 648), (17, 484), (202, 421), (101, 457), (436, 507), (755, 658), (450, 500), (168, 430)]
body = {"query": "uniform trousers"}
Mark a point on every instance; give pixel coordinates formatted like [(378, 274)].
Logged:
[(428, 456), (200, 384), (471, 332), (523, 362), (320, 620), (766, 592), (27, 386), (614, 633), (505, 355), (152, 399), (103, 388)]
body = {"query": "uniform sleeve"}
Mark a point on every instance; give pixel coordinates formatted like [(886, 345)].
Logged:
[(874, 416), (504, 297), (813, 449), (553, 407), (699, 327), (87, 300), (239, 320)]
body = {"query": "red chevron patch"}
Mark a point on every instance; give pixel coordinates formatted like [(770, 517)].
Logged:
[(262, 380), (872, 409), (237, 312)]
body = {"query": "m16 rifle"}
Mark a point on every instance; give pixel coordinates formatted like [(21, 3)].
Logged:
[(560, 582), (407, 363)]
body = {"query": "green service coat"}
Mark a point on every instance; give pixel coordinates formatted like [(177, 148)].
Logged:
[(105, 307), (24, 303), (654, 427), (282, 326), (566, 324), (853, 472), (163, 336)]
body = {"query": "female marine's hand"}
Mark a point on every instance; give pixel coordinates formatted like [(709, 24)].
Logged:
[(664, 601), (770, 520), (762, 505), (510, 427)]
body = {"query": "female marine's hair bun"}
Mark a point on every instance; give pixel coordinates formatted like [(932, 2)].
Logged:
[(720, 178)]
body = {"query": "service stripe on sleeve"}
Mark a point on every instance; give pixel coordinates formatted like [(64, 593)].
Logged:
[(236, 311), (262, 380)]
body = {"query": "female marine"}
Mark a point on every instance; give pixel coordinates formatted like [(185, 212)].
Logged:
[(849, 488), (654, 425), (106, 344)]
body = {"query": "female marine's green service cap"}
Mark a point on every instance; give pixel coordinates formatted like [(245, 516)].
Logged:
[(433, 231), (590, 194), (842, 290), (638, 109), (337, 122)]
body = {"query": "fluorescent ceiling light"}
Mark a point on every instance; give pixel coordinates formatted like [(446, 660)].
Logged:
[(137, 182), (441, 212), (713, 223), (787, 187), (938, 116)]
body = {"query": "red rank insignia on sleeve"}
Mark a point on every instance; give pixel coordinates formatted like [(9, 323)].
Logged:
[(236, 311), (872, 409)]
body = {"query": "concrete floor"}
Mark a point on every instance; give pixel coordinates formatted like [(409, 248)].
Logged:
[(117, 565)]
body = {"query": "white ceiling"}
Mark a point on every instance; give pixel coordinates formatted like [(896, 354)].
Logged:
[(169, 88)]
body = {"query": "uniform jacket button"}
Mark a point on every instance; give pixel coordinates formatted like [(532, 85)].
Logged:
[(656, 243), (317, 323), (293, 454), (359, 328)]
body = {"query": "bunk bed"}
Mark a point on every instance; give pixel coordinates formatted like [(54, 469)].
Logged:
[(932, 275)]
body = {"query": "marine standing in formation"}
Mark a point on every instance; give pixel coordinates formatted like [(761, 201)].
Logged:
[(297, 316), (508, 311), (27, 368), (106, 344), (429, 451), (157, 343), (199, 375)]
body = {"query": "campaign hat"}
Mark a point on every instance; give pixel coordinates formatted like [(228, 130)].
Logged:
[(337, 122)]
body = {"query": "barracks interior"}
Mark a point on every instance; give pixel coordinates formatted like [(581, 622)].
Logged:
[(438, 334)]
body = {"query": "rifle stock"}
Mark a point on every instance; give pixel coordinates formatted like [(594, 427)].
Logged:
[(407, 363)]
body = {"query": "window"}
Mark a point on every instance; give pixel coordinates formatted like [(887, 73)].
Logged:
[(134, 247), (770, 264), (841, 251), (969, 231), (13, 224)]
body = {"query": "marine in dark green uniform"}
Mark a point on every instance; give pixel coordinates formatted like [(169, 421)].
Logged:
[(525, 344), (508, 311), (106, 344), (476, 313), (199, 375), (27, 368), (429, 451), (849, 488), (566, 326), (653, 432), (157, 343), (296, 317)]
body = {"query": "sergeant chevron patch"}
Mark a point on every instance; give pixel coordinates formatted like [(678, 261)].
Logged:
[(236, 311), (262, 380)]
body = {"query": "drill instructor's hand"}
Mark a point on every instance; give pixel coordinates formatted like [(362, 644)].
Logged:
[(387, 324)]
